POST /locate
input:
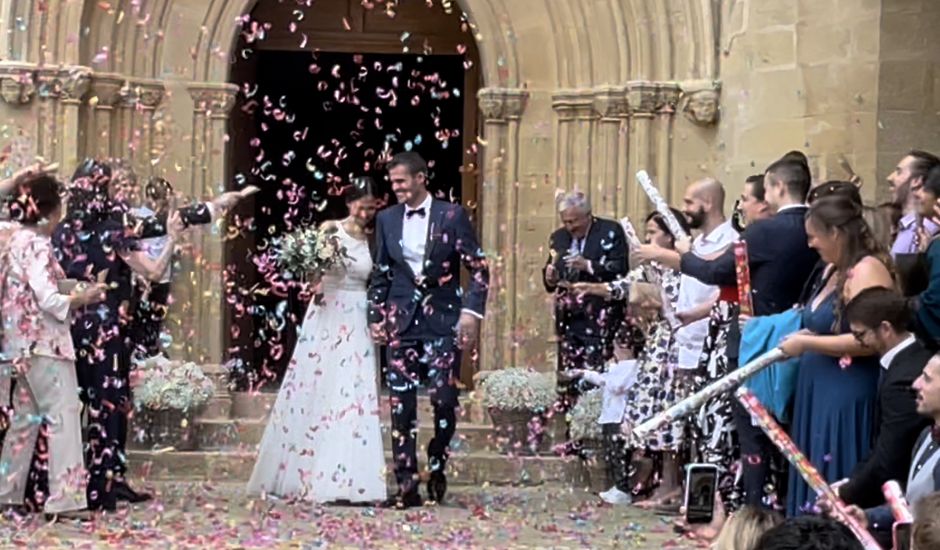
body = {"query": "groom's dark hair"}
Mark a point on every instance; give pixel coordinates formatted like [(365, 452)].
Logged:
[(411, 161)]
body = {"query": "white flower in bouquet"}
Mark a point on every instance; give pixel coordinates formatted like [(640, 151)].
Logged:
[(165, 384), (519, 389), (584, 416)]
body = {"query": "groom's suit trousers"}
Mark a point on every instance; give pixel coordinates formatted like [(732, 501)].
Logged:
[(411, 362)]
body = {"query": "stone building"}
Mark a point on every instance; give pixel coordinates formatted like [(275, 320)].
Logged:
[(559, 94)]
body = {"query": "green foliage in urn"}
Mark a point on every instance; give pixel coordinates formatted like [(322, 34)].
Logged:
[(583, 416), (518, 389)]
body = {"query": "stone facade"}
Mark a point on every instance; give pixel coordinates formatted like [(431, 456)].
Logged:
[(574, 94)]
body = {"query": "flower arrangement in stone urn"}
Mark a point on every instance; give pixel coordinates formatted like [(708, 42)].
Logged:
[(167, 395), (583, 418), (517, 400)]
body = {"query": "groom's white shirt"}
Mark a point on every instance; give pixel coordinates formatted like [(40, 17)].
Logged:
[(414, 236)]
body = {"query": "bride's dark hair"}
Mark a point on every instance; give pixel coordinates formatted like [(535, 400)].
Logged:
[(360, 187)]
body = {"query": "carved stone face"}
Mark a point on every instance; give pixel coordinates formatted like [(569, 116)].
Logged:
[(702, 107)]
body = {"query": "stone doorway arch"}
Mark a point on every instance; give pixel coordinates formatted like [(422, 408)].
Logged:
[(334, 31)]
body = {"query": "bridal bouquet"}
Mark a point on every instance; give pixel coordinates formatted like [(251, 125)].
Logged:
[(309, 252)]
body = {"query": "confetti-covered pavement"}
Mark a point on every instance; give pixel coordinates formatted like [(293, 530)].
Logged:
[(192, 515)]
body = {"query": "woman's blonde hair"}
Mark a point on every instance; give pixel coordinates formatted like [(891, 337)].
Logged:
[(744, 528)]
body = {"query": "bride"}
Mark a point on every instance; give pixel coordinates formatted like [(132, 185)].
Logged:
[(323, 442)]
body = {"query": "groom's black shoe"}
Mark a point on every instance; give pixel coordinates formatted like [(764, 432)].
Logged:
[(437, 486), (122, 491), (403, 501)]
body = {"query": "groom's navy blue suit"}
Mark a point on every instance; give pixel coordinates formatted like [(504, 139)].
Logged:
[(420, 312)]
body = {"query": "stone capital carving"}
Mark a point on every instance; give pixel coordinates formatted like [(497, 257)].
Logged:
[(701, 101), (17, 82), (574, 104), (144, 93), (213, 99), (645, 97), (66, 83), (611, 103), (106, 89), (499, 104)]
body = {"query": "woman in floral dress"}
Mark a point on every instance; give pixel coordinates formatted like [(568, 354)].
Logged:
[(656, 388)]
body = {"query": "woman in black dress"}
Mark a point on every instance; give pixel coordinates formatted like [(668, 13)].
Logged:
[(94, 245)]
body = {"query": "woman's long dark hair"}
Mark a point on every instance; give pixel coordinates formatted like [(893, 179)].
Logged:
[(664, 227), (88, 199), (844, 216)]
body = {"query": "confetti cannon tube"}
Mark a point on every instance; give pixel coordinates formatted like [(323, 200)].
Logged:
[(633, 238), (660, 204), (743, 270), (723, 385), (802, 464), (634, 242), (895, 499)]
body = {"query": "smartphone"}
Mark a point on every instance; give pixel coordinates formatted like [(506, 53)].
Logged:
[(902, 535), (701, 482)]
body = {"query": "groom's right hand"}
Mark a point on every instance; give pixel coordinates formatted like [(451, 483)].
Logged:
[(379, 334)]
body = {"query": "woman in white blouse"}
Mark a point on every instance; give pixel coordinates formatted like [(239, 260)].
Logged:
[(36, 337)]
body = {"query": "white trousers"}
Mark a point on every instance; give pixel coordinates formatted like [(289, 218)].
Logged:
[(47, 391)]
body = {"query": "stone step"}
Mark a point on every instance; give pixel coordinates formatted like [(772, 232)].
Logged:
[(242, 433), (259, 404), (218, 408), (476, 468)]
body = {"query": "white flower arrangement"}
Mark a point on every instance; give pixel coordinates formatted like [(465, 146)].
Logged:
[(519, 389), (309, 252), (583, 416), (171, 385)]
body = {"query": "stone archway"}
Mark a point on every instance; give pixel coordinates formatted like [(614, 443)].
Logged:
[(416, 35), (578, 94)]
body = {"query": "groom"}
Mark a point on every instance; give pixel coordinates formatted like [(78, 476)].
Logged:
[(417, 307)]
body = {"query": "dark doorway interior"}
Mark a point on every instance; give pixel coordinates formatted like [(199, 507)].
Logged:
[(318, 119)]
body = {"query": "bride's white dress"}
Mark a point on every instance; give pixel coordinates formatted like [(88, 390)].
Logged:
[(323, 441)]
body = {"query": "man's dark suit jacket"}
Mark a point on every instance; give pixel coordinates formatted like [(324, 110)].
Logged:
[(896, 425), (606, 249), (780, 262), (398, 297)]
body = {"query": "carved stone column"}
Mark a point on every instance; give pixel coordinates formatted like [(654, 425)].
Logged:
[(647, 101), (61, 91), (18, 90), (149, 94), (609, 164), (576, 118), (501, 109), (102, 136), (211, 105)]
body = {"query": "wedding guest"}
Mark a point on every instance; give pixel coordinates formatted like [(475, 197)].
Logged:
[(92, 245), (586, 249), (833, 428), (926, 529), (780, 262), (753, 204), (926, 304), (923, 473), (906, 178), (702, 339), (39, 343), (745, 527), (657, 386), (878, 319), (809, 533)]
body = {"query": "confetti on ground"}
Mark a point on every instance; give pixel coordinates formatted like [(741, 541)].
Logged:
[(219, 515)]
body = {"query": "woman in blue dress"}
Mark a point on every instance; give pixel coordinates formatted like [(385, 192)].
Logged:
[(838, 378)]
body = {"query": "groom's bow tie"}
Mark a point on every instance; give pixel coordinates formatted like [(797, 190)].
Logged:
[(422, 212)]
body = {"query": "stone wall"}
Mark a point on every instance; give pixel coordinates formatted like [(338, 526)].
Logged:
[(575, 94)]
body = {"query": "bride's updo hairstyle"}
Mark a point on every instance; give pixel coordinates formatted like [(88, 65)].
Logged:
[(360, 187)]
